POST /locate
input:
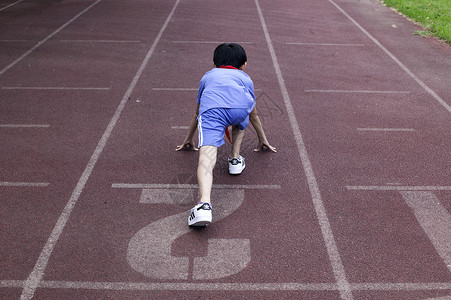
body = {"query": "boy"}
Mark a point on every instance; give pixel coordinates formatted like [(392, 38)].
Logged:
[(225, 98)]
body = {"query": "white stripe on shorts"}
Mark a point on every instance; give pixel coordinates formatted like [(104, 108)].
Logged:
[(199, 127)]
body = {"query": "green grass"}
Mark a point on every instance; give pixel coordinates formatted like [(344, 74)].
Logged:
[(433, 15)]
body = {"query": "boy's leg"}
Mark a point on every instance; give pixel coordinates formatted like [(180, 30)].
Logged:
[(200, 215), (237, 139), (236, 161), (207, 162)]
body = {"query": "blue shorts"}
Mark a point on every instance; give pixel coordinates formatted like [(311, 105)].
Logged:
[(211, 124)]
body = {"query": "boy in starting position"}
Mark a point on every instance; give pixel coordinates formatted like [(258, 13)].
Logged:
[(225, 98)]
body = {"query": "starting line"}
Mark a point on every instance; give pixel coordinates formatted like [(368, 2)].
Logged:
[(276, 286), (398, 188), (24, 184), (190, 186)]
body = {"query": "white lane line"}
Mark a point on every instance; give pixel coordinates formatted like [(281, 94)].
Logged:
[(396, 60), (98, 41), (328, 236), (175, 89), (54, 88), (326, 44), (194, 286), (283, 286), (357, 91), (24, 184), (386, 129), (276, 286), (46, 39), (187, 89), (434, 219), (397, 188), (168, 196), (402, 286), (9, 41), (12, 4), (191, 186), (11, 283), (24, 126), (35, 277), (208, 42), (78, 41), (179, 127)]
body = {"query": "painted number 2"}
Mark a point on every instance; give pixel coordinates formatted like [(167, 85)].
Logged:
[(149, 251)]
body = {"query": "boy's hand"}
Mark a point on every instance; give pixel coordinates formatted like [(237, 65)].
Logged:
[(186, 146), (265, 146)]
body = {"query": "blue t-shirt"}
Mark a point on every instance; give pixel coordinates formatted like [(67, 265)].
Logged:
[(226, 88)]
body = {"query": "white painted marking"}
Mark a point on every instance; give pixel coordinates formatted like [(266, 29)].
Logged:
[(357, 91), (396, 60), (402, 286), (11, 283), (225, 286), (385, 129), (225, 257), (9, 41), (24, 125), (208, 42), (24, 184), (12, 4), (46, 39), (190, 186), (54, 88), (99, 41), (36, 275), (331, 246), (187, 89), (149, 251), (175, 89), (185, 286), (167, 196), (398, 188), (179, 127), (325, 44), (434, 219)]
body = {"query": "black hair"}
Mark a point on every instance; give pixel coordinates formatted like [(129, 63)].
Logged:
[(229, 54)]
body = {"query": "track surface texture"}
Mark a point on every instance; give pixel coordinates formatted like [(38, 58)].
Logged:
[(95, 96)]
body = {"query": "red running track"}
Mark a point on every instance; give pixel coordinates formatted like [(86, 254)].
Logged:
[(95, 96)]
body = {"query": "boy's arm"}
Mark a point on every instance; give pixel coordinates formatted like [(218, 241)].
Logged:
[(188, 141), (262, 140)]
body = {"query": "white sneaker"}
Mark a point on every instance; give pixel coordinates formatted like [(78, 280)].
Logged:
[(200, 215), (236, 165)]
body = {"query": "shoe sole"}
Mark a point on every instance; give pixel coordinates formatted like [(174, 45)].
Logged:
[(199, 222), (236, 171)]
